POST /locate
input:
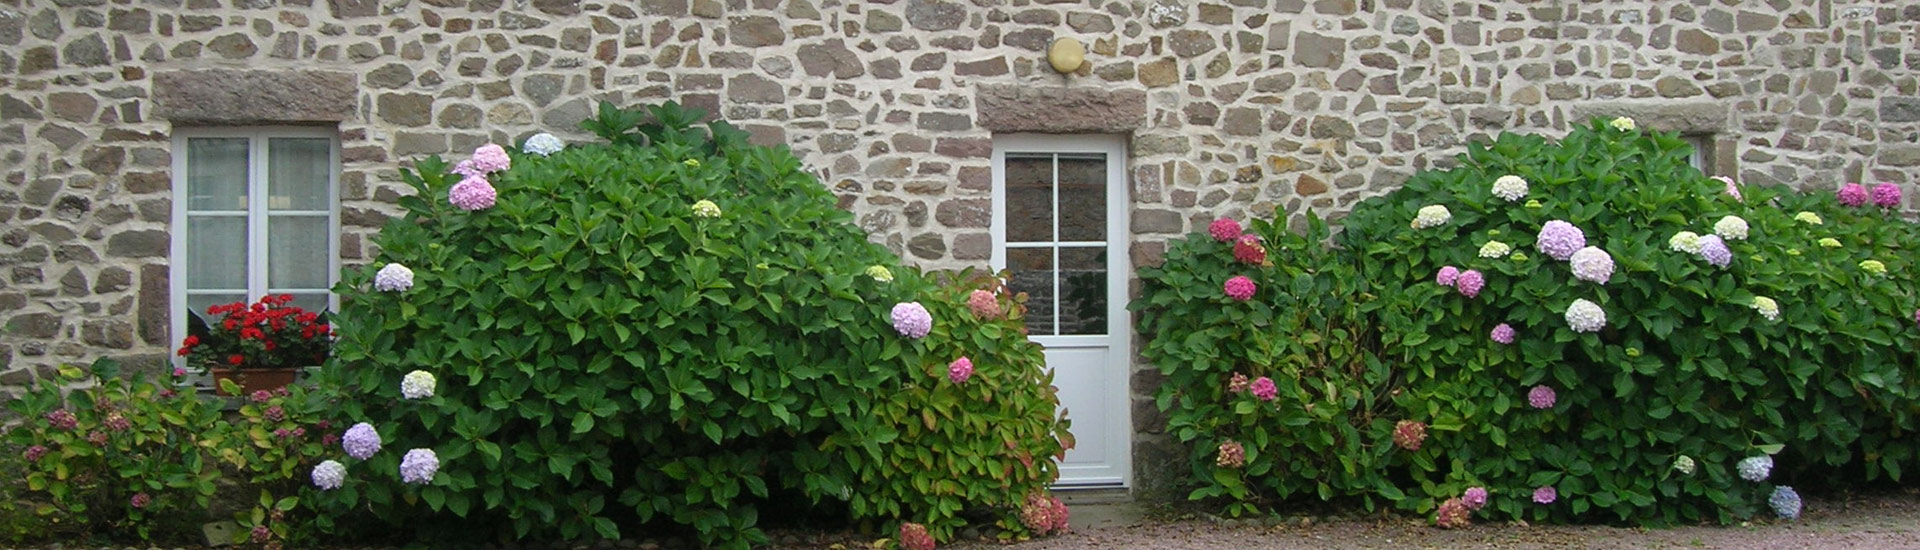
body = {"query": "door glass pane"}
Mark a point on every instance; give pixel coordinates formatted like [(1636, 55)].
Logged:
[(217, 174), (1083, 290), (297, 252), (297, 172), (1029, 198), (1032, 273), (216, 252), (1083, 198), (199, 303)]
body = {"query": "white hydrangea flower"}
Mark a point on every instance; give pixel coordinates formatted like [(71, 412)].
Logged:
[(1431, 215), (543, 144), (1731, 228), (1495, 249), (1685, 241), (1510, 188), (417, 385), (1623, 124), (1585, 316), (880, 273), (329, 475), (1767, 307), (1755, 468), (1592, 264), (393, 278), (1830, 242), (1808, 218), (706, 209), (1684, 464)]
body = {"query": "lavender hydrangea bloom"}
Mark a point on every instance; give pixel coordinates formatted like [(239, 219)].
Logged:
[(1545, 495), (491, 158), (1785, 502), (912, 320), (1447, 275), (329, 475), (1755, 468), (543, 144), (1541, 397), (1886, 195), (393, 278), (1714, 250), (1470, 283), (1503, 333), (361, 441), (1592, 264), (1559, 240), (1474, 498), (419, 466)]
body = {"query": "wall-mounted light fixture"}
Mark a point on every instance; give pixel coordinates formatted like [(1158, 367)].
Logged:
[(1066, 55)]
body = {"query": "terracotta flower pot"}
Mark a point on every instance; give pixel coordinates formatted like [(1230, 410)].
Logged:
[(252, 380)]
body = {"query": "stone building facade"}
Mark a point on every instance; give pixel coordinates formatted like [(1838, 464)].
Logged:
[(1227, 107)]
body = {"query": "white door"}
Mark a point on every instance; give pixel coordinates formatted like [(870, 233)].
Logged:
[(1060, 226)]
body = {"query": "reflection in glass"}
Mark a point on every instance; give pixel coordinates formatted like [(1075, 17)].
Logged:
[(311, 301), (217, 252), (1032, 273), (217, 174), (297, 172), (1029, 198), (1083, 290), (1083, 197), (198, 303), (297, 252)]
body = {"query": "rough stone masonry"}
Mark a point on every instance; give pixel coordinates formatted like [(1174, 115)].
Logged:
[(1231, 107)]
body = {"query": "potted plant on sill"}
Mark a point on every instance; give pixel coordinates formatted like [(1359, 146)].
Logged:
[(262, 346)]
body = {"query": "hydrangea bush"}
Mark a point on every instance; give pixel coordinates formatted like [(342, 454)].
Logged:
[(671, 329), (1665, 327)]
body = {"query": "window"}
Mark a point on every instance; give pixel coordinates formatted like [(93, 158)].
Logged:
[(1702, 157), (255, 212)]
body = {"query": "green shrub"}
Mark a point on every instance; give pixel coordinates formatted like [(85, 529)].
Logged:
[(1689, 362), (676, 327)]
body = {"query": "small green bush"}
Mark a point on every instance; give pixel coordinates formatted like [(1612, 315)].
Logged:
[(675, 327), (1796, 350)]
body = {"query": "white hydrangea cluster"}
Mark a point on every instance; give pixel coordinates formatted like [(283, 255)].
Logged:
[(1685, 241), (1684, 464), (1755, 468), (393, 278), (1510, 188), (1431, 215), (417, 385), (1592, 264), (1495, 249), (1586, 316), (543, 144), (1767, 307), (1808, 218), (1623, 124), (706, 209), (1731, 228)]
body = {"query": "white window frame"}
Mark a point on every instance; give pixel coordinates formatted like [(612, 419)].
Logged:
[(258, 138)]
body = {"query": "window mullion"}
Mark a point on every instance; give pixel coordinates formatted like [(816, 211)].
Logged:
[(1058, 272), (257, 216)]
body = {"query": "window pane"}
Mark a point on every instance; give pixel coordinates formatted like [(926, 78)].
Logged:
[(1083, 198), (1083, 290), (216, 252), (297, 172), (311, 301), (1032, 273), (199, 303), (297, 252), (216, 174), (1029, 198)]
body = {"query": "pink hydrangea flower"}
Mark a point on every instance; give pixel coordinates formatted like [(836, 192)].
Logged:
[(1470, 283), (1474, 498), (1058, 515), (1447, 275), (912, 320), (1409, 434), (261, 396), (1240, 288), (1224, 230), (1231, 455), (1853, 194), (471, 194), (983, 304), (1545, 495), (35, 452), (1264, 389), (140, 500), (1733, 190), (1541, 397), (914, 536), (960, 370), (1249, 250), (1502, 333), (465, 169), (1238, 383), (491, 158), (1453, 514), (63, 419), (1886, 195)]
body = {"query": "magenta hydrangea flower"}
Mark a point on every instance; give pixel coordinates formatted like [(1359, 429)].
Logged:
[(140, 500), (418, 466), (1447, 275), (983, 304), (1264, 389), (1224, 230), (1470, 283), (1240, 288), (1853, 194), (1545, 495), (1475, 498), (1886, 195), (912, 320), (1502, 333), (491, 158), (960, 370), (34, 453), (1249, 250), (1541, 397), (1559, 240), (471, 194), (361, 441), (63, 419), (1714, 250)]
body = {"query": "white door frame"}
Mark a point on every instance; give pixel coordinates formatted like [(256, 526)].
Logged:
[(1115, 407)]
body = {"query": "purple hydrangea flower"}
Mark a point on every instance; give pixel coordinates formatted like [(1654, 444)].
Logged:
[(63, 419), (1474, 498), (912, 320), (1264, 389), (1853, 194), (471, 194), (419, 466), (491, 158), (1559, 240), (1541, 397), (329, 475), (34, 453), (1502, 333), (1470, 283), (361, 441), (1886, 195), (1545, 495), (1447, 275), (1714, 250), (960, 370), (1785, 502), (393, 278)]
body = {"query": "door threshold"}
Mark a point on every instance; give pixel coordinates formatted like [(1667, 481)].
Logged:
[(1093, 494)]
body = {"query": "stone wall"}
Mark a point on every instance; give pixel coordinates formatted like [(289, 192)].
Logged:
[(1233, 107)]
